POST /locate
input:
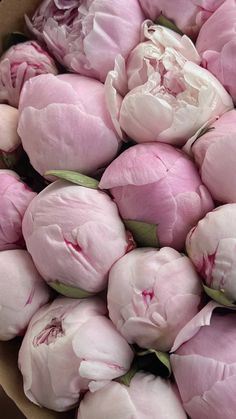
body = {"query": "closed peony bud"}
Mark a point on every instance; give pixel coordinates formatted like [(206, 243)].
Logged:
[(64, 124), (161, 93), (211, 247), (147, 397), (85, 36), (19, 64), (23, 291), (74, 235), (10, 143), (158, 184), (204, 364), (215, 154), (152, 294), (70, 347), (15, 197), (218, 47), (188, 15)]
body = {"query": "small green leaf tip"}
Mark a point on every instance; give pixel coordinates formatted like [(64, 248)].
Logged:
[(163, 21), (219, 297), (69, 291), (74, 177), (144, 234), (126, 378)]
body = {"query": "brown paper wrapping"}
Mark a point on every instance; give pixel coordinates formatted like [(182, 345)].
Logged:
[(12, 15), (12, 19)]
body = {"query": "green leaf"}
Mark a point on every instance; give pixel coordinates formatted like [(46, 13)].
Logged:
[(219, 297), (69, 291), (14, 38), (163, 357), (126, 378), (144, 234), (167, 23), (74, 177)]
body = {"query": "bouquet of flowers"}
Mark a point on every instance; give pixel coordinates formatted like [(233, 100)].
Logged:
[(118, 207)]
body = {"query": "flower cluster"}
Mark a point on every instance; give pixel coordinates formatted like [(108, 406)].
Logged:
[(118, 207)]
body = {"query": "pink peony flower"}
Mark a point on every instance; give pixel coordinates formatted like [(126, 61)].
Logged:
[(160, 86), (23, 291), (158, 184), (19, 64), (147, 397), (64, 124), (152, 294), (216, 44), (215, 154), (211, 246), (70, 347), (188, 15), (204, 364), (86, 35), (10, 144), (74, 235), (15, 197)]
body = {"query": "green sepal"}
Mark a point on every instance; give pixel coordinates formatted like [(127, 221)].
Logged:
[(13, 38), (167, 23), (219, 297), (144, 234), (126, 378), (69, 291), (74, 177)]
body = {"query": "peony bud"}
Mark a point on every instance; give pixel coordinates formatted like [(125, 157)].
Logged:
[(158, 184), (204, 364), (188, 15), (19, 64), (160, 93), (70, 347), (211, 247), (15, 197), (64, 124), (85, 36), (215, 155), (218, 47), (74, 235), (23, 291), (147, 397), (152, 294), (10, 144)]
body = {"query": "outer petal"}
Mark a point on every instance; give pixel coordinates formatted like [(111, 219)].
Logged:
[(217, 403), (66, 136), (143, 116)]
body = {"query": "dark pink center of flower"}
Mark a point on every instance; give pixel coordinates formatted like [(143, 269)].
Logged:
[(74, 246), (50, 333), (148, 295)]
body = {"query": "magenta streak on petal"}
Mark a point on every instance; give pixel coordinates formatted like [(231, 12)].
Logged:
[(207, 267), (75, 246), (50, 333), (148, 296), (31, 296)]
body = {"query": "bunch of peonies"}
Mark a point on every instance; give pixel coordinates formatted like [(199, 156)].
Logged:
[(126, 129)]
